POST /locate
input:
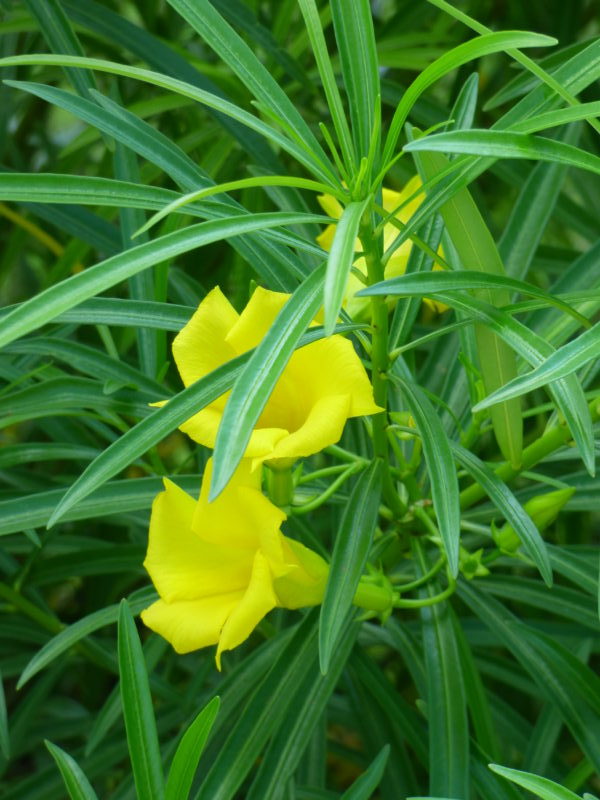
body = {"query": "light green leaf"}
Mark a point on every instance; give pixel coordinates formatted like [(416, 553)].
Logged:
[(189, 750), (356, 44), (430, 283), (336, 109), (76, 783), (562, 362), (477, 250), (541, 787), (140, 725), (504, 144), (462, 54), (364, 786), (64, 295), (440, 466), (351, 549), (509, 507), (72, 634), (339, 262)]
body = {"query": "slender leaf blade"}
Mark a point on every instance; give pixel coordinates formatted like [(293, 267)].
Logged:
[(185, 761)]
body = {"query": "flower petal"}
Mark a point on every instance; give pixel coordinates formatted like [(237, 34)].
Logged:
[(332, 367), (191, 624), (201, 346), (258, 600), (323, 426), (330, 205), (256, 319), (239, 516), (303, 585), (182, 564)]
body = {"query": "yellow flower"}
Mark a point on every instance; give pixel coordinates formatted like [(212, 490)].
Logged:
[(322, 386), (220, 567), (396, 265)]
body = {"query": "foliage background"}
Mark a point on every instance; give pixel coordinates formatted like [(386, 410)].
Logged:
[(506, 675)]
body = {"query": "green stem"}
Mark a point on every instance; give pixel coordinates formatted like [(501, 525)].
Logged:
[(44, 620), (536, 452), (380, 361), (331, 489), (432, 600), (408, 587), (280, 485)]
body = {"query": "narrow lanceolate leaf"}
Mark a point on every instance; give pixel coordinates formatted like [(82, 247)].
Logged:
[(566, 392), (477, 251), (462, 54), (433, 282), (186, 90), (254, 386), (505, 144), (262, 715), (564, 361), (140, 725), (440, 467), (350, 552), (446, 704), (74, 633), (363, 787), (4, 735), (309, 702), (189, 750), (234, 51), (60, 36), (356, 45), (76, 783), (509, 507), (541, 787), (314, 28), (339, 262), (68, 293)]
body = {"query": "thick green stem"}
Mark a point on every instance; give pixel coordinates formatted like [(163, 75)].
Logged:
[(280, 485), (379, 361)]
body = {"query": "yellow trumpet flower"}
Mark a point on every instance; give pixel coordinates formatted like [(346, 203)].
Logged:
[(356, 306), (220, 567), (322, 386)]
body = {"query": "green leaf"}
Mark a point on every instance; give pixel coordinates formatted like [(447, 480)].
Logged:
[(440, 467), (76, 783), (350, 553), (254, 386), (430, 283), (310, 701), (339, 261), (186, 90), (57, 31), (263, 714), (477, 250), (562, 362), (64, 295), (530, 213), (542, 787), (219, 35), (356, 44), (72, 634), (446, 702), (502, 144), (566, 392), (140, 725), (336, 109), (364, 786), (4, 732), (185, 761), (546, 670), (508, 505), (462, 54)]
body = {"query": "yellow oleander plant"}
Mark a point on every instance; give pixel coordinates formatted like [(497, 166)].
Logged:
[(299, 400)]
